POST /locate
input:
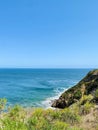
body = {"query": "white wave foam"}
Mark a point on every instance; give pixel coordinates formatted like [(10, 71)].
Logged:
[(48, 102), (57, 92)]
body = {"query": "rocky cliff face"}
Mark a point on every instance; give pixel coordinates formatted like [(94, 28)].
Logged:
[(86, 86)]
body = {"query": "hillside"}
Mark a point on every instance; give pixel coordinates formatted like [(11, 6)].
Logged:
[(88, 85)]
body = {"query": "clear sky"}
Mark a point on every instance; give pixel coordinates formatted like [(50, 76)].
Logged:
[(49, 33)]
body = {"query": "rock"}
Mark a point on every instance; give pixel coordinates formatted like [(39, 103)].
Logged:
[(86, 86), (59, 103)]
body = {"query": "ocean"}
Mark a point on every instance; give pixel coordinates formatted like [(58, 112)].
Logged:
[(37, 87)]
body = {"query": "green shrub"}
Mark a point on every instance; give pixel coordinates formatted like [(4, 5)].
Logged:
[(38, 112), (9, 124), (74, 128), (86, 98), (17, 113), (35, 123), (78, 94), (96, 94), (70, 116), (58, 125), (14, 119), (86, 108), (2, 104), (55, 115)]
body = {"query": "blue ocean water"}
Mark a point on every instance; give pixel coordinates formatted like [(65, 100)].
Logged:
[(37, 87)]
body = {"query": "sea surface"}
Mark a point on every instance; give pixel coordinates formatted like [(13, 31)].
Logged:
[(37, 87)]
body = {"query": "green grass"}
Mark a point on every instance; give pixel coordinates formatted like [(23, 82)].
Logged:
[(96, 94), (17, 118)]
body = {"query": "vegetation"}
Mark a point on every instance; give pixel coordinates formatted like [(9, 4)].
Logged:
[(2, 104), (71, 118), (96, 94), (85, 87)]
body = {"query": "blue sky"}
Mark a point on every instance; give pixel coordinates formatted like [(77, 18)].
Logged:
[(49, 33)]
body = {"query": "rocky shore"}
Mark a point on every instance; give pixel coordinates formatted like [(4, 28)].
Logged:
[(88, 85)]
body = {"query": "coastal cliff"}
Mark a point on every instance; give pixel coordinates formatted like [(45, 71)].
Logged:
[(88, 85)]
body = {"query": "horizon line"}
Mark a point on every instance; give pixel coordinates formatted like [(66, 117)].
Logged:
[(48, 68)]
